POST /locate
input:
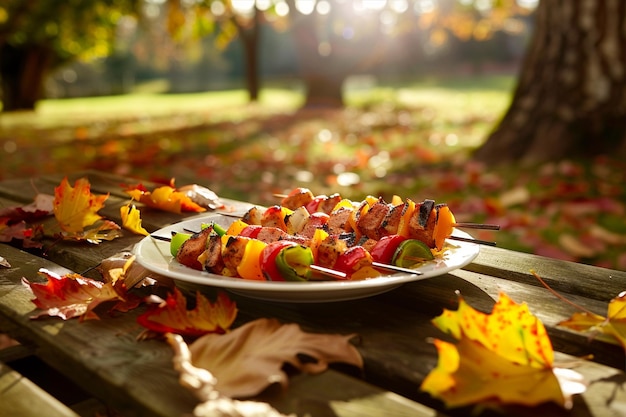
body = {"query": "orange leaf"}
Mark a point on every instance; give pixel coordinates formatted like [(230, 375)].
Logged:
[(248, 359), (131, 219), (165, 198), (172, 315), (504, 356), (614, 325), (70, 295), (75, 208)]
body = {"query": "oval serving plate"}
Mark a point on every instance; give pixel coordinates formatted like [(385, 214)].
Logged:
[(154, 255)]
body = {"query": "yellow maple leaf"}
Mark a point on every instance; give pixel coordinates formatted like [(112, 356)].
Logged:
[(131, 219), (613, 325), (75, 207), (504, 356)]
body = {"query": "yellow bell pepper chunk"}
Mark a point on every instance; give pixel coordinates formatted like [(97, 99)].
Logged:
[(236, 227), (250, 265)]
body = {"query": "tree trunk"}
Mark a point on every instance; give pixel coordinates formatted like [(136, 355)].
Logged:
[(23, 71), (570, 101), (251, 40)]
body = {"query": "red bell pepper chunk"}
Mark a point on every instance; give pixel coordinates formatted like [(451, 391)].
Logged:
[(352, 260), (385, 248), (314, 204), (268, 259), (251, 231)]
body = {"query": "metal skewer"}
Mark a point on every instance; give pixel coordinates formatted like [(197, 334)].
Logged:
[(477, 226), (395, 268)]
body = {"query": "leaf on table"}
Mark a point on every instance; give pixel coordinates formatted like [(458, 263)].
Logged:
[(171, 315), (166, 198), (76, 207), (131, 219), (41, 206), (247, 360), (102, 230), (613, 325), (72, 295), (19, 231), (4, 263), (505, 356), (202, 196), (202, 383), (122, 267)]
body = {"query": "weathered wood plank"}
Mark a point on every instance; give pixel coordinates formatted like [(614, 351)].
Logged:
[(21, 397)]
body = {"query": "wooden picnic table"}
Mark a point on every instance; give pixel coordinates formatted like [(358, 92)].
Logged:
[(136, 378)]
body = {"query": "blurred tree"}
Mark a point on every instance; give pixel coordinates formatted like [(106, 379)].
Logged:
[(38, 36), (570, 100)]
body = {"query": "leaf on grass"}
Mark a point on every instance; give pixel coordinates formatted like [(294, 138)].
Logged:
[(504, 356), (613, 325), (70, 295), (131, 219), (172, 316), (247, 360), (165, 198), (75, 207)]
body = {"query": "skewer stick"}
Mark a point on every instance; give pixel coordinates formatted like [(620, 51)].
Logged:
[(395, 268), (477, 226), (327, 271), (465, 239)]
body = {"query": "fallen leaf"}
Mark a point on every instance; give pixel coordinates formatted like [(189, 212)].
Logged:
[(172, 316), (70, 295), (247, 360), (122, 267), (4, 263), (165, 198), (613, 325), (41, 206), (202, 383), (75, 207), (505, 356), (104, 230), (131, 219)]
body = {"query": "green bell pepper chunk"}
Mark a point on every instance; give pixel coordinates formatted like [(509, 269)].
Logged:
[(293, 263)]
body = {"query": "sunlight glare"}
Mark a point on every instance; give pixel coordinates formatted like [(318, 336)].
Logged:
[(374, 5), (424, 6), (305, 7), (243, 7), (528, 4), (263, 5), (347, 179), (217, 8), (399, 6), (323, 7), (281, 9)]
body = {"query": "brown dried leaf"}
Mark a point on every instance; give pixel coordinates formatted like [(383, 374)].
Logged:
[(250, 358)]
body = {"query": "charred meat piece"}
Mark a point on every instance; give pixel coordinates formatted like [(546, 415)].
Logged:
[(339, 221), (299, 197), (329, 250), (253, 216), (192, 248), (369, 223), (211, 258), (328, 204)]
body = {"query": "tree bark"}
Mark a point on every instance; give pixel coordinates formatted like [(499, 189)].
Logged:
[(22, 71), (570, 100)]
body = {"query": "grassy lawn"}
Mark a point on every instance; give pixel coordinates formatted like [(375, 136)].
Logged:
[(411, 139)]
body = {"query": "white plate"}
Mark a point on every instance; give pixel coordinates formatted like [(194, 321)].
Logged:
[(155, 256)]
